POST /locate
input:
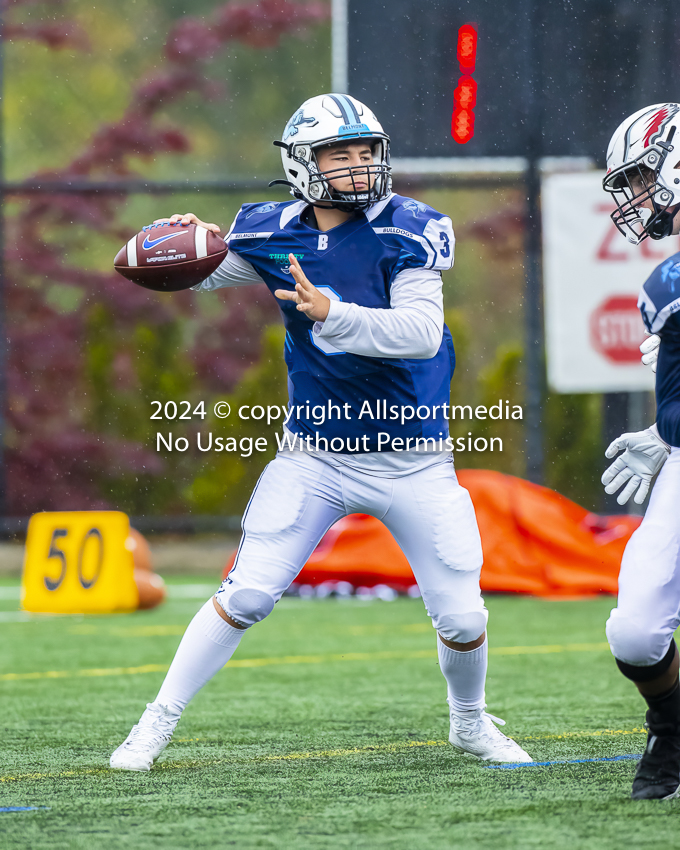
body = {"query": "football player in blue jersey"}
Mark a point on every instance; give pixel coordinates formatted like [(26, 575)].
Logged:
[(357, 271), (643, 176)]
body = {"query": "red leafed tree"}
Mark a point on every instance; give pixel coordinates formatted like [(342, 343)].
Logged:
[(75, 436)]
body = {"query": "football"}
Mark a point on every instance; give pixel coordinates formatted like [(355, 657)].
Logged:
[(170, 257)]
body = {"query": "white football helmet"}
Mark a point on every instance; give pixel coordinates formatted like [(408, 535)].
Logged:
[(328, 119), (642, 170)]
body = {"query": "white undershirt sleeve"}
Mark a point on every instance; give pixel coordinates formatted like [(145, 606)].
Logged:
[(411, 328), (233, 271)]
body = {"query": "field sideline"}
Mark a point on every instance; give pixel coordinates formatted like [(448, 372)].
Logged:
[(328, 731)]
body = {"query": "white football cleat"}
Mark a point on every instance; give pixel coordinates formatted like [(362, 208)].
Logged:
[(474, 732), (147, 739)]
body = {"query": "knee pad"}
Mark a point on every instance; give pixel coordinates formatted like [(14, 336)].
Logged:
[(461, 628), (247, 606), (651, 671), (633, 643)]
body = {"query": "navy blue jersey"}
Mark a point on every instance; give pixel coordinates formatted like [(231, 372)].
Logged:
[(659, 303), (355, 262)]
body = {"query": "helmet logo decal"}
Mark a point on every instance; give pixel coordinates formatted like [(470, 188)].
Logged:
[(647, 129), (297, 121), (655, 124)]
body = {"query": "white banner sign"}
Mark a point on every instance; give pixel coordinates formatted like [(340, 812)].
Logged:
[(592, 276)]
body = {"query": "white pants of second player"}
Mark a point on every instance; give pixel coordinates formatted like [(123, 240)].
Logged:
[(299, 497), (641, 627)]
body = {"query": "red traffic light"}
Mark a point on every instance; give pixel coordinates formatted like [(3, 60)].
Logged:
[(462, 125), (467, 48), (465, 94)]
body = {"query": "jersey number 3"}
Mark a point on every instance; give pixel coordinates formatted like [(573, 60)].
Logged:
[(445, 250)]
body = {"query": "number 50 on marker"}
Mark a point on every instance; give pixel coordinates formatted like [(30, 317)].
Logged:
[(77, 562)]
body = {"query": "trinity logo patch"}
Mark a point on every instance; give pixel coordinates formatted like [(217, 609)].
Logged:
[(283, 262)]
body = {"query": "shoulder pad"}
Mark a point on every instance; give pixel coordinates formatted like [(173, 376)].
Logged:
[(660, 295), (256, 222), (418, 230)]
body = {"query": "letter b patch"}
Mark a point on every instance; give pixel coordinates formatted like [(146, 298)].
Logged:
[(323, 242)]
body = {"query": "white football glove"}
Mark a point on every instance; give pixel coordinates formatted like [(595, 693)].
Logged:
[(644, 453), (650, 351)]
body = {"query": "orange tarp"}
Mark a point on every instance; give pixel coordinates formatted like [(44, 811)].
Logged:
[(538, 541), (535, 541)]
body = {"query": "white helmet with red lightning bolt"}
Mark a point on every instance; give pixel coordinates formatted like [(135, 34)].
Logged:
[(643, 172)]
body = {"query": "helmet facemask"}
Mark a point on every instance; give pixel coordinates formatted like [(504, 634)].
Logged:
[(634, 188), (376, 176)]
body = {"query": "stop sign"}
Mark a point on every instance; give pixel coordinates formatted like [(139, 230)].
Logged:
[(616, 329)]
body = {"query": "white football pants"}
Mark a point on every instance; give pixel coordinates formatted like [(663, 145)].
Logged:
[(641, 627), (299, 497)]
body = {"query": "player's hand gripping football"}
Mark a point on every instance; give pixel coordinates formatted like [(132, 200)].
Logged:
[(188, 218), (650, 351), (309, 300), (644, 453)]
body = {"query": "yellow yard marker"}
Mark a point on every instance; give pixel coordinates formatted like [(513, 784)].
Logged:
[(78, 562)]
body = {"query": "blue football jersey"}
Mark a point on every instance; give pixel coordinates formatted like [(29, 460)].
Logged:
[(355, 262), (659, 303)]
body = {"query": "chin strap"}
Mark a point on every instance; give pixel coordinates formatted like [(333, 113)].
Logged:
[(282, 183), (663, 224), (295, 192)]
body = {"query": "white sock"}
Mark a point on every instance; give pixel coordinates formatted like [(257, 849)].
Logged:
[(465, 674), (207, 645)]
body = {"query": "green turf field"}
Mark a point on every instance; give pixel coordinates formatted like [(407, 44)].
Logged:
[(329, 732)]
